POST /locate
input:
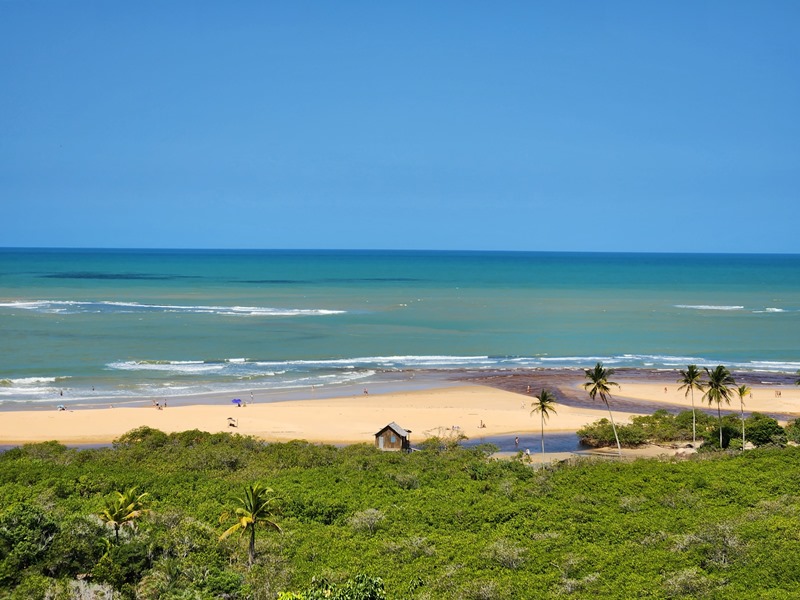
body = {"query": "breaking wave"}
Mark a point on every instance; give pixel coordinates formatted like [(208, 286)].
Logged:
[(708, 307), (80, 307)]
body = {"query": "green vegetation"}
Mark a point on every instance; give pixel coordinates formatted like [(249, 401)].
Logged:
[(360, 524), (664, 428)]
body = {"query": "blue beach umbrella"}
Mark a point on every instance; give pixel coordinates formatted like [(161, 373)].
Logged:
[(237, 400)]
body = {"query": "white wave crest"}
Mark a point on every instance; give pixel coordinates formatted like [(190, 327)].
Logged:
[(31, 380), (186, 367), (708, 307), (107, 306)]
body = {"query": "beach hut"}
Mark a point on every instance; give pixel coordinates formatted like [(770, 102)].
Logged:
[(393, 437)]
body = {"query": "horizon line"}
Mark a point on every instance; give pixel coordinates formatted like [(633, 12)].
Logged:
[(385, 250)]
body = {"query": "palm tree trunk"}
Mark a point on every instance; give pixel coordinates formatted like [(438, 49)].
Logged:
[(719, 416), (694, 422), (614, 427), (741, 405), (542, 437)]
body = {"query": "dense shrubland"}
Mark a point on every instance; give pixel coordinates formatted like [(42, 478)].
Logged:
[(446, 522), (663, 427)]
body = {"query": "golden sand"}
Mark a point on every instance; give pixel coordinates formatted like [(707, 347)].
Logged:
[(353, 419)]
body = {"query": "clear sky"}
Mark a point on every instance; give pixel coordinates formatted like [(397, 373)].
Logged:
[(534, 125)]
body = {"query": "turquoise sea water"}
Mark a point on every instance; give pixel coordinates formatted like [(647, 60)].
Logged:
[(139, 324)]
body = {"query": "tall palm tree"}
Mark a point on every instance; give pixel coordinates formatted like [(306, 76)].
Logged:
[(253, 508), (742, 391), (690, 380), (544, 405), (123, 509), (719, 382), (599, 385)]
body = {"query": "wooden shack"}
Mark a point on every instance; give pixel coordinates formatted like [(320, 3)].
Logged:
[(393, 437)]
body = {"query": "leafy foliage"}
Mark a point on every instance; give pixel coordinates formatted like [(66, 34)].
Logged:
[(455, 523)]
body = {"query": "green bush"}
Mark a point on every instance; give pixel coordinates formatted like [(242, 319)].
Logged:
[(762, 430), (792, 431)]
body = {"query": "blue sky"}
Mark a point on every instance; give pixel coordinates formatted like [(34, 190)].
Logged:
[(586, 126)]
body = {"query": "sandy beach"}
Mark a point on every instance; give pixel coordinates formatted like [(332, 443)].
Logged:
[(479, 408)]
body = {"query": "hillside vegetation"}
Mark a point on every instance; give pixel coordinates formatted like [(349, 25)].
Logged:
[(445, 522)]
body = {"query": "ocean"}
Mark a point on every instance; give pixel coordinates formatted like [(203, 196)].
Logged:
[(87, 325)]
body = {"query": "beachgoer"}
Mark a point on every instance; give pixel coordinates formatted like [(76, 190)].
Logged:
[(665, 390), (251, 397), (516, 441), (529, 389), (366, 393)]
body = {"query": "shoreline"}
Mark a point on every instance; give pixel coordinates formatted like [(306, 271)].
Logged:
[(431, 403)]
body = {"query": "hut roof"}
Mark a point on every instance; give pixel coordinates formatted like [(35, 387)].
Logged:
[(396, 428)]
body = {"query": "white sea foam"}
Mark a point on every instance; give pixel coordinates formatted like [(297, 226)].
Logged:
[(187, 367), (770, 365), (103, 306), (32, 380), (708, 307)]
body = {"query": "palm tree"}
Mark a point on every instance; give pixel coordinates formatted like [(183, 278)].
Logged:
[(743, 391), (254, 508), (798, 379), (599, 385), (690, 380), (123, 509), (718, 384), (544, 406)]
